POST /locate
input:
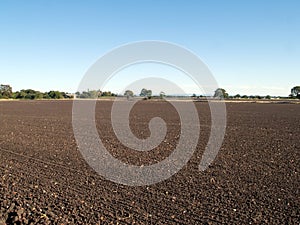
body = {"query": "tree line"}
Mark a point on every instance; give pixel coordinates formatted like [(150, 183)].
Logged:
[(7, 93), (94, 94), (220, 93)]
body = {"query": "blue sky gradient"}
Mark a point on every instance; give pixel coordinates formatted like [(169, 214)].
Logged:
[(252, 47)]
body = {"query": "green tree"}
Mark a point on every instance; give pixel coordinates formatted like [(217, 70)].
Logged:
[(146, 93), (220, 93), (85, 94), (38, 95), (268, 97), (55, 95), (128, 94), (94, 94), (28, 94), (20, 94), (162, 94), (143, 92), (5, 91), (89, 94), (295, 92)]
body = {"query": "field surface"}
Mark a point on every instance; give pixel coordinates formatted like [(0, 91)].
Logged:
[(254, 179)]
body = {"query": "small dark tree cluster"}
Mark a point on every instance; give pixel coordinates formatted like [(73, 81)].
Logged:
[(108, 94)]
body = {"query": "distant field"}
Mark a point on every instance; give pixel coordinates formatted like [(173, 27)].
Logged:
[(254, 179)]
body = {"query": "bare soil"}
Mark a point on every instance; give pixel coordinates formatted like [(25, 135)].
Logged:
[(45, 180)]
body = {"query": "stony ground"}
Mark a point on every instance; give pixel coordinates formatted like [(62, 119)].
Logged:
[(254, 179)]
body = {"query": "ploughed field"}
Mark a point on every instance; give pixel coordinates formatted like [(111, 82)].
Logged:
[(254, 179)]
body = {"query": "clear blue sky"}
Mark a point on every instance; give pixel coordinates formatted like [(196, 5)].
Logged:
[(252, 47)]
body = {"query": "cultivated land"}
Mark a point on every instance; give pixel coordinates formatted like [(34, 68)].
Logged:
[(254, 179)]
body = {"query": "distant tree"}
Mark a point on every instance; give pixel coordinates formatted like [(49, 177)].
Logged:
[(38, 95), (20, 94), (67, 95), (85, 94), (94, 94), (55, 95), (162, 94), (244, 97), (268, 97), (194, 95), (89, 94), (149, 94), (77, 94), (128, 94), (237, 96), (146, 93), (5, 91), (28, 94), (220, 93), (143, 92), (295, 92)]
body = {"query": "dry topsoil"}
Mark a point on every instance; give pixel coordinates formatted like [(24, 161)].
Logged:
[(254, 179)]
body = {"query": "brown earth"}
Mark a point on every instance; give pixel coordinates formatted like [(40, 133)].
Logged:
[(254, 179)]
